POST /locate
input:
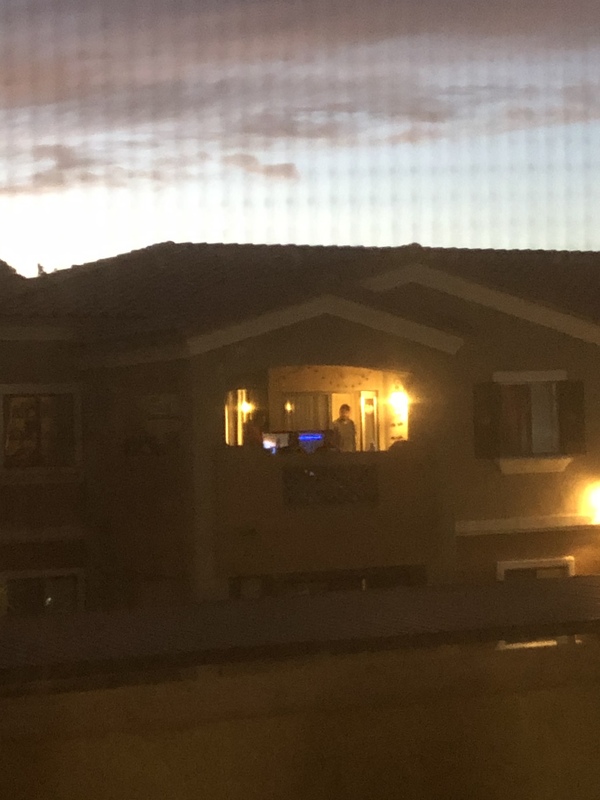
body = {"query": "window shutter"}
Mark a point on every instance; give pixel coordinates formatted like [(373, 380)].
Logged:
[(486, 419), (571, 417)]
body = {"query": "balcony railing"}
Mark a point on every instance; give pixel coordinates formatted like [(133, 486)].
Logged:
[(302, 513), (320, 483)]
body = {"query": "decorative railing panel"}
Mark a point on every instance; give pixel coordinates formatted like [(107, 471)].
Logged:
[(329, 484)]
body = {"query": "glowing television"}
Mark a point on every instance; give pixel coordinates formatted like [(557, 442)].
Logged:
[(309, 440)]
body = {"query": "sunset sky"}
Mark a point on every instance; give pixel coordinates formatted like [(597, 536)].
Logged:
[(468, 123)]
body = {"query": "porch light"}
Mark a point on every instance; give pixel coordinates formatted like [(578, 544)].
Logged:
[(399, 403), (593, 503), (289, 407)]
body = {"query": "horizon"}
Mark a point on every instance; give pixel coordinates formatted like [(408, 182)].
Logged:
[(265, 123), (407, 245)]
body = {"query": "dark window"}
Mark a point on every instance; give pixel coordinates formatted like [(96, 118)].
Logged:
[(529, 419), (42, 594), (39, 430), (536, 573)]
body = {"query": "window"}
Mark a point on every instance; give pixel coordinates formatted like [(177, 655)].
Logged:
[(38, 429), (531, 418), (542, 569), (534, 570), (307, 411), (42, 593), (237, 411)]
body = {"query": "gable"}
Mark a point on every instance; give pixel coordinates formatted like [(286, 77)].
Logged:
[(479, 294), (330, 305)]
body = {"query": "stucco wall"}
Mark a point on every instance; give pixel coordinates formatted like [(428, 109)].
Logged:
[(29, 507), (140, 484), (259, 534)]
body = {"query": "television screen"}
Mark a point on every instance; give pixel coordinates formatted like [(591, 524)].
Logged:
[(309, 440), (275, 441)]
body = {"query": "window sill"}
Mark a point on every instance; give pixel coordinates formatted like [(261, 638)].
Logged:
[(522, 466)]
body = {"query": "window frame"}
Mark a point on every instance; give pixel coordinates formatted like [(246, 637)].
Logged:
[(44, 474), (502, 567), (490, 435), (530, 379), (67, 572)]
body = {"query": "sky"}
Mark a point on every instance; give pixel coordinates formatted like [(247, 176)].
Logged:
[(455, 123)]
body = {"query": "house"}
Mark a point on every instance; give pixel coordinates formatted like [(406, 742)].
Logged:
[(143, 396)]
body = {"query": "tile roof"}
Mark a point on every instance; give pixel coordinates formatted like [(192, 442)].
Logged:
[(10, 281), (565, 280), (208, 286), (58, 646)]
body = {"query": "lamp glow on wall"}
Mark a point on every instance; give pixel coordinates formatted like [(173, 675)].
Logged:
[(592, 502), (237, 410), (399, 404), (246, 408)]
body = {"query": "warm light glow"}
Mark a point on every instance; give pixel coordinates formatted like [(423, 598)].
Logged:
[(289, 407), (367, 404), (399, 403), (246, 407), (593, 503)]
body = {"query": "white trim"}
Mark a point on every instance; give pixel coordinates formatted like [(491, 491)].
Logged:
[(537, 644), (132, 358), (320, 306), (478, 527), (491, 298), (502, 567), (535, 464), (35, 333), (514, 378)]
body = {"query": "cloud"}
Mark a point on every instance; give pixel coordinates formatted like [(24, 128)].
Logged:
[(250, 163), (248, 76), (57, 166)]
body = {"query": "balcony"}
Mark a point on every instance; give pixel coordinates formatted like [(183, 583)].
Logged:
[(303, 513)]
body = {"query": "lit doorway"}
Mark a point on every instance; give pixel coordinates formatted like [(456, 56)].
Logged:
[(369, 421)]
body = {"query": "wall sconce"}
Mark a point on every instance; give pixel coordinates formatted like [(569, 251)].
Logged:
[(399, 403), (289, 407), (593, 502)]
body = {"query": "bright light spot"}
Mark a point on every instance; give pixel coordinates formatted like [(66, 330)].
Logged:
[(399, 403), (246, 407), (593, 501), (289, 407)]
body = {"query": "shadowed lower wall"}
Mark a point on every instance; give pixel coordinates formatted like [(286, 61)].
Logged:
[(448, 723)]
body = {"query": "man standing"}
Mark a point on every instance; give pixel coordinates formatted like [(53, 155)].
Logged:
[(345, 431)]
